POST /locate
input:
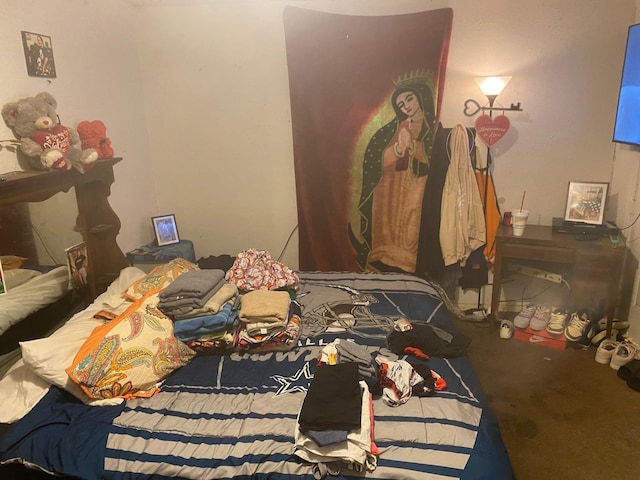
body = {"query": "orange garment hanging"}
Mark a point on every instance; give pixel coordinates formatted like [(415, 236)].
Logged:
[(492, 216)]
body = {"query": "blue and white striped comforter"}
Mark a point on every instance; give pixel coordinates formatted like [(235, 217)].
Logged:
[(235, 416)]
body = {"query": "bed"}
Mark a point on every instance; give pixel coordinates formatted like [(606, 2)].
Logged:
[(28, 291), (236, 415)]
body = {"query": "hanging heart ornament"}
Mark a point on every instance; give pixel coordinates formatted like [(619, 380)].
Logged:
[(490, 130)]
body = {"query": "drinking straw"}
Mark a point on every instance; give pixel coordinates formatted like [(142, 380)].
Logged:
[(522, 203)]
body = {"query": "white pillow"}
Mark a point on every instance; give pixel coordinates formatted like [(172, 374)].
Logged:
[(47, 358), (20, 390), (18, 276)]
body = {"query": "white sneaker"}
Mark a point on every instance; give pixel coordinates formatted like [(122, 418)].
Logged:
[(578, 323), (605, 351), (506, 329), (557, 322), (623, 354)]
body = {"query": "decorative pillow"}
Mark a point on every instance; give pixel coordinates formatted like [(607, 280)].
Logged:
[(158, 278), (129, 356), (9, 262), (48, 357), (15, 277)]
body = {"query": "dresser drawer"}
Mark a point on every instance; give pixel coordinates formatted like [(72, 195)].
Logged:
[(543, 254)]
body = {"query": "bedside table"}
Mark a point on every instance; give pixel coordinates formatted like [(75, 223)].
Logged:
[(150, 256)]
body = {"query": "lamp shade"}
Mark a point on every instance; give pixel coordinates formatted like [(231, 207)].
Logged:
[(492, 86)]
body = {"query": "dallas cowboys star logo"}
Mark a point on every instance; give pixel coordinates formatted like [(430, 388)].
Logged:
[(298, 383)]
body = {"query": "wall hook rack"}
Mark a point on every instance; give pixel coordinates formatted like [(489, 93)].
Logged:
[(471, 107)]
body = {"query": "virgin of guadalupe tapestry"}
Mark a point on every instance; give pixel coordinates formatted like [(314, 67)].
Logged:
[(365, 95)]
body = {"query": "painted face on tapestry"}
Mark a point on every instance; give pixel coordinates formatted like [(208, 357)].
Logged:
[(408, 104)]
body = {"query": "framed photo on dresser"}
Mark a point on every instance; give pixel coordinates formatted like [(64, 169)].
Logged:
[(166, 229), (586, 202)]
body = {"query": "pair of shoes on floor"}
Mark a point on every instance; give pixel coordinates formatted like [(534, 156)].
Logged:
[(630, 373), (506, 329), (605, 350), (533, 316)]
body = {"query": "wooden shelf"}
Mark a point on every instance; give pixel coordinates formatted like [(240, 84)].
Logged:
[(96, 221), (36, 186)]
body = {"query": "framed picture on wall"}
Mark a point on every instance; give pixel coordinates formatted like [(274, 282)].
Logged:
[(586, 202), (166, 229), (38, 53)]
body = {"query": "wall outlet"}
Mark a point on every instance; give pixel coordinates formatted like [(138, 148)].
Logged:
[(535, 272)]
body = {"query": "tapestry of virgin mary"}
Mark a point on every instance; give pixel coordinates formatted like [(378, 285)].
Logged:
[(365, 103)]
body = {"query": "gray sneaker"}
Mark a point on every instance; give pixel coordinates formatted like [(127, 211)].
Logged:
[(540, 318), (522, 319)]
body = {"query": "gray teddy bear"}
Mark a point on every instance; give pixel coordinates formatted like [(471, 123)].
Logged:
[(44, 143)]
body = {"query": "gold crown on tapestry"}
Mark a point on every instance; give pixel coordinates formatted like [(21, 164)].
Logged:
[(413, 77)]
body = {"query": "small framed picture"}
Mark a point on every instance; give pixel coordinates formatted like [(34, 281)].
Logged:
[(3, 287), (78, 264), (166, 229), (38, 53), (586, 202)]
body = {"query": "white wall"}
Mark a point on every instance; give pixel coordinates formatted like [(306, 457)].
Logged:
[(98, 77), (208, 84), (215, 78)]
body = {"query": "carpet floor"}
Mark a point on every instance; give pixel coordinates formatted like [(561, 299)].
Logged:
[(562, 414)]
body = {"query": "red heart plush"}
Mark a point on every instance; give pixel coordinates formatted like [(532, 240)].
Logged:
[(490, 130)]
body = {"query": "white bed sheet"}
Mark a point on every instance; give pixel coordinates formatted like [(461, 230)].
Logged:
[(21, 301), (25, 384)]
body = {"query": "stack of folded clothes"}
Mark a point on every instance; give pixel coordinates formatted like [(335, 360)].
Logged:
[(201, 306), (213, 328), (190, 292), (269, 321), (335, 423)]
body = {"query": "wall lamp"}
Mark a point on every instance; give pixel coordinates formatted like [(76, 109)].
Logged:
[(491, 87)]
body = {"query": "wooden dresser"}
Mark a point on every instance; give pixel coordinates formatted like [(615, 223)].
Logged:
[(599, 272)]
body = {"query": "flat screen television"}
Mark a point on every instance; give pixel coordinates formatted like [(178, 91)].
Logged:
[(627, 126)]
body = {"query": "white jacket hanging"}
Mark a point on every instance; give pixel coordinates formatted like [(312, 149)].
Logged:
[(462, 225)]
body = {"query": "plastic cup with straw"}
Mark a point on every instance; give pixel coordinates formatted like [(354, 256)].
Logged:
[(519, 218)]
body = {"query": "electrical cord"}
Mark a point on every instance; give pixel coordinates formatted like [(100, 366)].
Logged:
[(44, 244), (287, 243), (522, 299), (632, 224)]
